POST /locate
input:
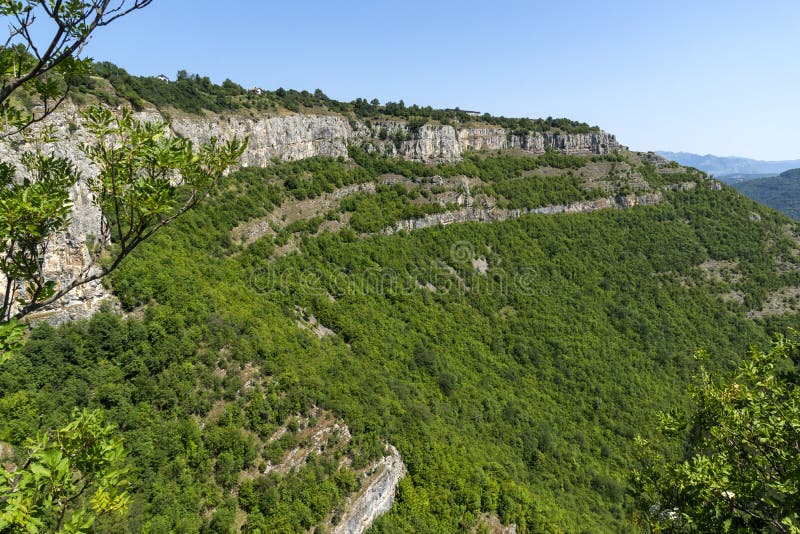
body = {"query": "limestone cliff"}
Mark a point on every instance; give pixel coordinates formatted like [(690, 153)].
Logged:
[(302, 136), (474, 214), (320, 435), (289, 137), (68, 255)]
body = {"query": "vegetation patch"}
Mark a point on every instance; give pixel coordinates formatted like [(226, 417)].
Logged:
[(501, 390)]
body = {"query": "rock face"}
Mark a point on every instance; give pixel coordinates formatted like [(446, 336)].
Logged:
[(68, 254), (374, 500), (329, 438), (492, 215), (283, 138), (304, 136)]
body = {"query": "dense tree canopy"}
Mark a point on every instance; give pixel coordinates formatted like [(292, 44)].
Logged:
[(146, 178), (513, 391), (517, 392)]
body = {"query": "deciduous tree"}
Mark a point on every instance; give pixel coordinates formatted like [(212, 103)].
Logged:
[(41, 54), (741, 468), (145, 179), (68, 477)]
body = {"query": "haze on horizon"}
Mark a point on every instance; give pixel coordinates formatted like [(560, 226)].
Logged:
[(712, 77)]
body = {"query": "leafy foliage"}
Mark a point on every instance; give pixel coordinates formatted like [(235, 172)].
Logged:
[(31, 212), (742, 455), (40, 58), (68, 478), (417, 116), (296, 503), (74, 475), (779, 192), (193, 93), (676, 175), (516, 391), (146, 179), (372, 213), (11, 338)]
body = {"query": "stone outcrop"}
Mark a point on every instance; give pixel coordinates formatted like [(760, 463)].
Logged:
[(68, 255), (303, 136), (322, 435), (283, 138), (496, 215), (376, 498), (7, 456), (490, 523)]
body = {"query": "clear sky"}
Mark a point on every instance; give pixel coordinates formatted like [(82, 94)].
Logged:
[(704, 76)]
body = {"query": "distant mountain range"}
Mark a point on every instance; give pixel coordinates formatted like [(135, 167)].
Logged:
[(773, 183), (731, 168)]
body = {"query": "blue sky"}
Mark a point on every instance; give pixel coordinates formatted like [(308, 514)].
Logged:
[(703, 76)]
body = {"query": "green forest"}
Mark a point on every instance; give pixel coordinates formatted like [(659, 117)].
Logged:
[(780, 192), (516, 390), (559, 336), (192, 93)]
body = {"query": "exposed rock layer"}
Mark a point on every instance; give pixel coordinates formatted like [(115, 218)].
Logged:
[(492, 215), (68, 255), (283, 138), (330, 438), (376, 499), (304, 136)]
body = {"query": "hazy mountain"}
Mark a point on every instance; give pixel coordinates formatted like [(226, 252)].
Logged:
[(729, 165), (737, 177)]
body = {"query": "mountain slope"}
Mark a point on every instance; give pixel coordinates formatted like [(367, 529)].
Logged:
[(510, 355), (780, 192)]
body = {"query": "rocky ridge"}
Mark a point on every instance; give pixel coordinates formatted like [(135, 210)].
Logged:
[(68, 255), (376, 498), (296, 137), (271, 138), (454, 192), (321, 434)]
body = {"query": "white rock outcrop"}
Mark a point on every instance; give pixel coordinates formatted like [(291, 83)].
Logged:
[(296, 137), (374, 500), (68, 254), (495, 215)]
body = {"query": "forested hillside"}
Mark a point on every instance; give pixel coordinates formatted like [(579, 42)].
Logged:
[(780, 192), (510, 362)]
